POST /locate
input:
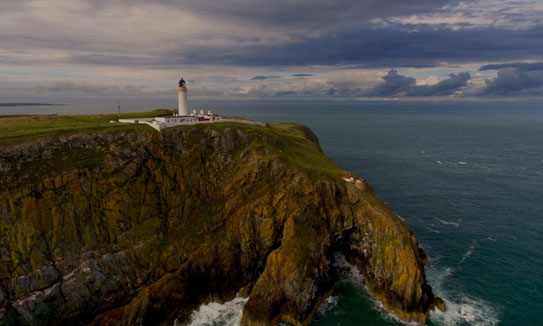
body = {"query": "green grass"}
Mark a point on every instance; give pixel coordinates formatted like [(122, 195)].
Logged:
[(299, 149), (25, 128), (290, 142)]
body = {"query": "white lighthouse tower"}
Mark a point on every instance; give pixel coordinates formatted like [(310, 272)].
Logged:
[(183, 108)]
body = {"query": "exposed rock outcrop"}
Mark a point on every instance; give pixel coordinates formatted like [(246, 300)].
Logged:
[(137, 227)]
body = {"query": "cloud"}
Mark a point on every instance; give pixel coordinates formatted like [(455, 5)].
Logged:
[(377, 48), (352, 82), (245, 33), (334, 50), (515, 81), (447, 86), (264, 77), (260, 77), (69, 89), (358, 84), (520, 66), (507, 14), (395, 85)]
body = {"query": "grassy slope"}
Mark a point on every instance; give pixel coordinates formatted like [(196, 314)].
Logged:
[(300, 150), (296, 146), (24, 128)]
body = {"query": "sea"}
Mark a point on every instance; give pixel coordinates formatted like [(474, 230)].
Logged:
[(467, 177)]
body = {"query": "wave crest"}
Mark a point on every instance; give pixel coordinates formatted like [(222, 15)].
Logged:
[(216, 314)]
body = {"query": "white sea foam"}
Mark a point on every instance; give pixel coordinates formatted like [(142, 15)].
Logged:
[(469, 252), (352, 275), (462, 163), (216, 314), (448, 223), (465, 310), (462, 309), (328, 305), (347, 271)]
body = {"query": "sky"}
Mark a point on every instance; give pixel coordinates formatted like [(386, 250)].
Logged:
[(338, 50)]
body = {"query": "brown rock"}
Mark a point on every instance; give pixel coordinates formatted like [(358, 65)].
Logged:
[(139, 228)]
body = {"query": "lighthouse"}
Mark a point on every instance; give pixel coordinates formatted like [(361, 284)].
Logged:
[(183, 108)]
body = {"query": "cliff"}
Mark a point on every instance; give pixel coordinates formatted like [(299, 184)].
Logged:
[(137, 227)]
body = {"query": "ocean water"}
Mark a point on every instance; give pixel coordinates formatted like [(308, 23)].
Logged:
[(467, 178)]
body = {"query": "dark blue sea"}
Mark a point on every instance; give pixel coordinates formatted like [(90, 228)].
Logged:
[(467, 178)]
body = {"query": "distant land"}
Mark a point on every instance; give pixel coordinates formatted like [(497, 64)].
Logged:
[(28, 104)]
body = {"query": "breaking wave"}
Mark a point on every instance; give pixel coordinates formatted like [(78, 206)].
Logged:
[(462, 309), (216, 314), (328, 305), (469, 252), (465, 310), (448, 223), (350, 273)]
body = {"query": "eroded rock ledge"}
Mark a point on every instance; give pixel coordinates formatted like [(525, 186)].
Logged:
[(139, 228)]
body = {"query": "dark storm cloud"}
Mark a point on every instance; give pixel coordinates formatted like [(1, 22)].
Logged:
[(315, 14), (394, 84), (399, 85), (263, 77), (381, 48), (270, 40), (515, 81), (260, 77), (304, 33), (520, 66), (515, 78)]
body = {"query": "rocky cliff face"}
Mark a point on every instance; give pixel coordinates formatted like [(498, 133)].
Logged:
[(139, 228)]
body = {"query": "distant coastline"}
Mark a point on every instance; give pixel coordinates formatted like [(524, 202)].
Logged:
[(28, 104)]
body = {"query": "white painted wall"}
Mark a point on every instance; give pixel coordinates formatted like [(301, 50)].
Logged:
[(183, 106)]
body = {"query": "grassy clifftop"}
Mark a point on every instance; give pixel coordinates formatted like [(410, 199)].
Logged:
[(24, 128), (293, 143)]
